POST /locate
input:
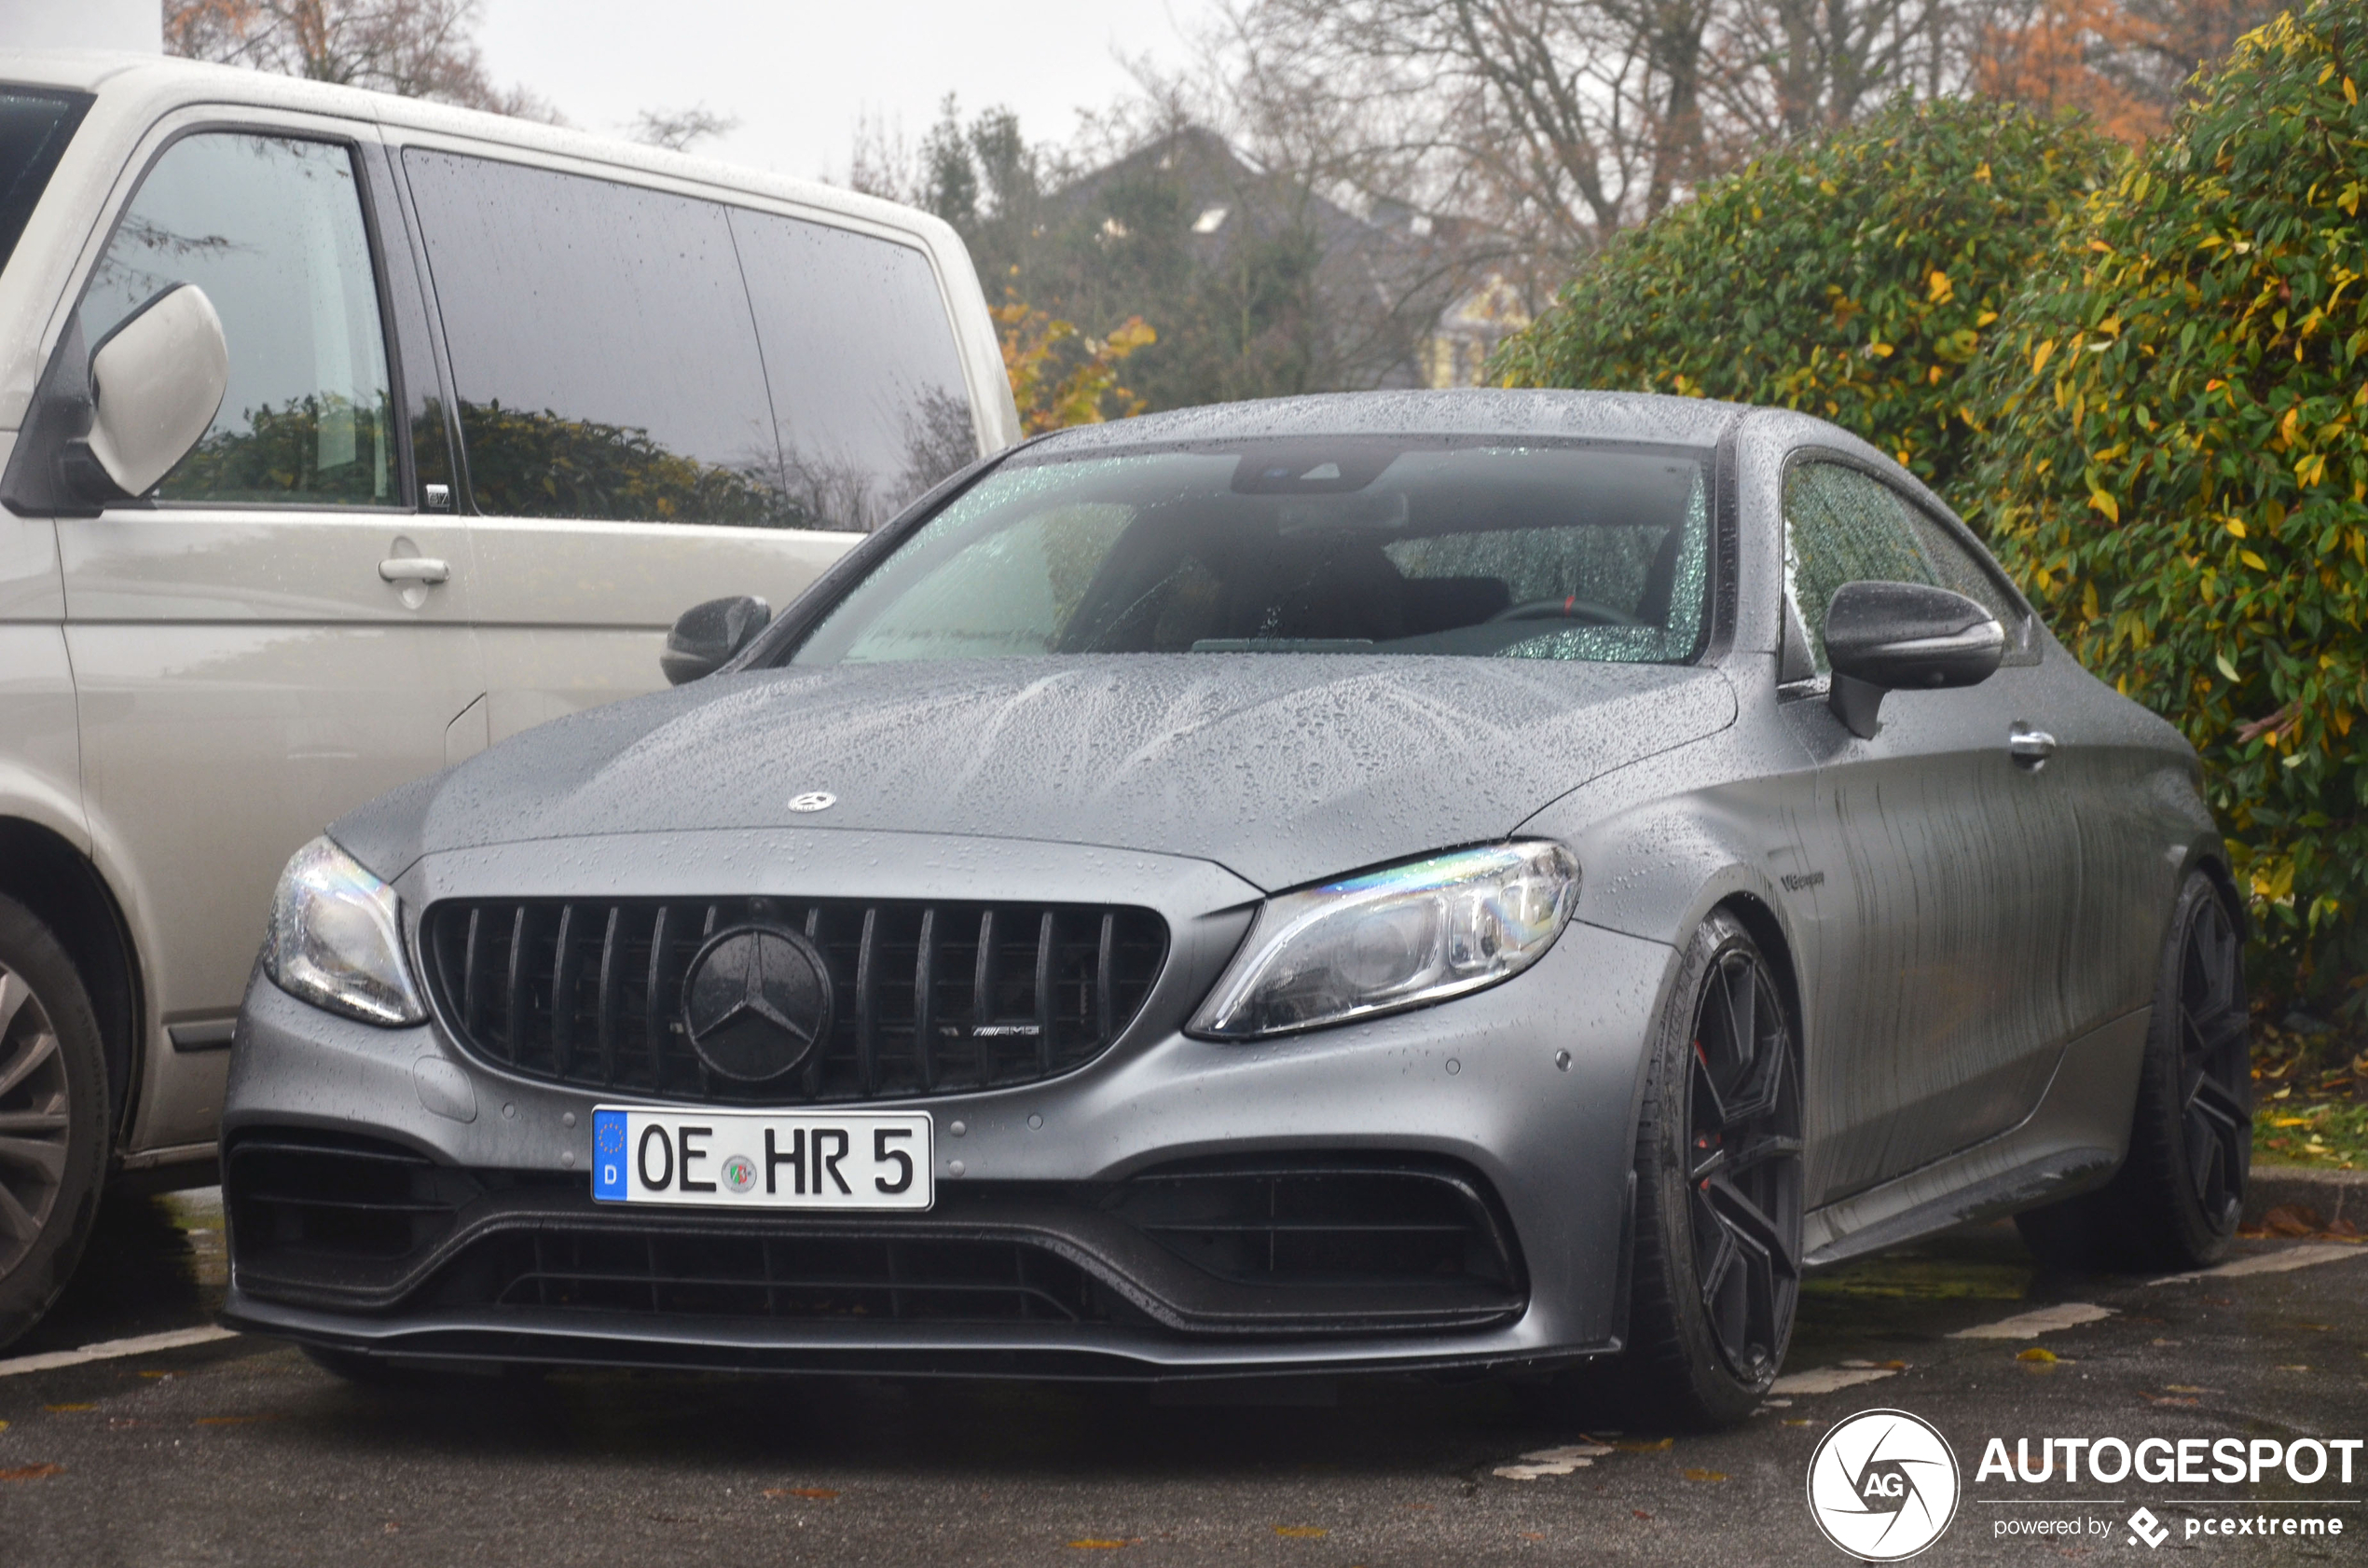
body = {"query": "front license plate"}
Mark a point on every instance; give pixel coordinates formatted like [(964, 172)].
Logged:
[(761, 1159)]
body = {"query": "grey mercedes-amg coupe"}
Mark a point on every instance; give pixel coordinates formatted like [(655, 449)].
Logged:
[(1396, 882)]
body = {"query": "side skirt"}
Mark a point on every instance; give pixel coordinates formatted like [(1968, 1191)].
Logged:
[(2073, 1140)]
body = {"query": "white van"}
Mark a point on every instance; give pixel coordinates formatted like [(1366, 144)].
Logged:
[(341, 435)]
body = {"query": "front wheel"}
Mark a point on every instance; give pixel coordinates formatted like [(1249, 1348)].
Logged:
[(1719, 1190), (53, 1119), (2177, 1199)]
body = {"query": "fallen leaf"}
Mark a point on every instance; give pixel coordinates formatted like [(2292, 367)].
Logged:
[(1801, 1423), (1094, 1544), (1533, 1534), (67, 1410), (2039, 1354), (157, 1375), (818, 1492), (1302, 1532), (31, 1472), (2292, 1219), (1894, 1366), (1639, 1513), (1705, 1474), (2170, 1399), (2294, 1369), (2185, 1388), (1645, 1448)]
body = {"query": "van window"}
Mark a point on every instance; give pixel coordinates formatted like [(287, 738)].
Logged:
[(270, 227), (601, 346), (867, 387), (35, 128)]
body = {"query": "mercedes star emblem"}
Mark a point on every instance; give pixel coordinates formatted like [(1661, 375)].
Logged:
[(756, 1002)]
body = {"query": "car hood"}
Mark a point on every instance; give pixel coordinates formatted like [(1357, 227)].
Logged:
[(1282, 768)]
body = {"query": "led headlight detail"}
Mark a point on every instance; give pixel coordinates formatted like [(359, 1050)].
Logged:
[(1397, 938), (335, 941)]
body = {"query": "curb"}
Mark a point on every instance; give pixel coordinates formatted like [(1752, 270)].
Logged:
[(2332, 1194)]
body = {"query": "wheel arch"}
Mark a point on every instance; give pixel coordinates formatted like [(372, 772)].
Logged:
[(47, 874), (1767, 930)]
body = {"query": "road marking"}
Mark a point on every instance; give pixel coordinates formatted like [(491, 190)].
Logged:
[(109, 1350), (1829, 1380), (1554, 1462), (2030, 1326), (2269, 1262)]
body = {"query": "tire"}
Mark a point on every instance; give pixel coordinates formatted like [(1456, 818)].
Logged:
[(2175, 1202), (1717, 1271), (53, 1119)]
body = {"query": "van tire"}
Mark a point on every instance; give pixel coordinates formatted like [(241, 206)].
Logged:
[(53, 1119)]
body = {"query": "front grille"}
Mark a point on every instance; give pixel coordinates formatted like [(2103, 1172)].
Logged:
[(1324, 1221), (664, 1271), (934, 998)]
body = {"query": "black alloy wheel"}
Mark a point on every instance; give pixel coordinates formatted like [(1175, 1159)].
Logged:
[(1744, 1176), (53, 1119), (1719, 1183), (2215, 1062), (2177, 1199)]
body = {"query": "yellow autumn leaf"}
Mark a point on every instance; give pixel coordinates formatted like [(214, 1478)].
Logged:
[(2253, 560), (2038, 1355), (2237, 527), (2039, 359), (1939, 289), (2105, 504)]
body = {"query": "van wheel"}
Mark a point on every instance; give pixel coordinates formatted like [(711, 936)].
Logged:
[(53, 1119), (2178, 1196), (1718, 1192)]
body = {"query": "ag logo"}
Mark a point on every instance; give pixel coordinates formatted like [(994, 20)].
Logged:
[(1882, 1485)]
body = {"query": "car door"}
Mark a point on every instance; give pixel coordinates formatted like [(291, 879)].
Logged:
[(276, 634), (665, 399), (1952, 868)]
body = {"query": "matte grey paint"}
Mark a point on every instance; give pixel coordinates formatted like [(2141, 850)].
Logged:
[(1971, 941)]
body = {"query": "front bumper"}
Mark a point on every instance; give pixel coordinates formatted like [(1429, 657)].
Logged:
[(1525, 1091)]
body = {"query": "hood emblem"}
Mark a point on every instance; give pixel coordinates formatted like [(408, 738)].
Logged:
[(756, 1002), (813, 800)]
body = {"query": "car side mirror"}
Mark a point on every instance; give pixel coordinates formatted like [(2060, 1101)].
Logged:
[(1888, 637), (707, 637), (157, 381)]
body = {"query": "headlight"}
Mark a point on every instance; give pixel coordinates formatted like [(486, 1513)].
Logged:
[(335, 941), (1398, 938)]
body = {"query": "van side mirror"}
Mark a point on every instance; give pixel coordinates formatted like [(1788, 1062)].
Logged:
[(707, 637), (157, 381), (1888, 637)]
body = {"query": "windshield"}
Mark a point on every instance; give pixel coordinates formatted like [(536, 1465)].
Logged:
[(1352, 546)]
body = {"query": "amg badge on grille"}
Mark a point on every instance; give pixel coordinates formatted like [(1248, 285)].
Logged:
[(756, 1000)]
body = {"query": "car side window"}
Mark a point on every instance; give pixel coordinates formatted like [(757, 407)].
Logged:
[(270, 227), (867, 396), (1845, 526)]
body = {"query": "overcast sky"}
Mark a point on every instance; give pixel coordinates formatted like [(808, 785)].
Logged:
[(799, 72)]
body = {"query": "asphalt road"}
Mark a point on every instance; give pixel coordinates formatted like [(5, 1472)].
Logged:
[(241, 1451)]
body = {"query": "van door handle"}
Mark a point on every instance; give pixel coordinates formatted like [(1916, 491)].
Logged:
[(2030, 747), (413, 569)]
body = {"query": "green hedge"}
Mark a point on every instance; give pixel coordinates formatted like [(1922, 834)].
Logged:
[(2174, 463), (1857, 279)]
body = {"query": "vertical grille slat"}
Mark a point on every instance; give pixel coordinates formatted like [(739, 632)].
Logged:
[(924, 1002), (1044, 993), (611, 981), (988, 997), (566, 967), (867, 1006)]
